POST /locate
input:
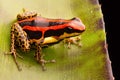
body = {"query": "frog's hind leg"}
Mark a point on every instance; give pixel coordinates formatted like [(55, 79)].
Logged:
[(12, 48), (39, 57), (18, 37)]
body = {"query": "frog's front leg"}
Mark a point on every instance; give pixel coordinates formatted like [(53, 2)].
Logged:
[(19, 38), (73, 40), (39, 57)]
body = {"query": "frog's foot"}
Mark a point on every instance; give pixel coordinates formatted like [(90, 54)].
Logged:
[(15, 55), (42, 61), (11, 53), (73, 40), (39, 57)]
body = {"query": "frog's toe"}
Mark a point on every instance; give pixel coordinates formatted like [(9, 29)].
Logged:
[(43, 62)]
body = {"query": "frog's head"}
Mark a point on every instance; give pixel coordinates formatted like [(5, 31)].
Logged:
[(26, 15), (75, 26)]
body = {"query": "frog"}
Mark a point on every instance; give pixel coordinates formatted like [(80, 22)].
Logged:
[(33, 29)]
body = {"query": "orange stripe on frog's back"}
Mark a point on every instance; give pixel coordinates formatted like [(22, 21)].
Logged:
[(43, 29)]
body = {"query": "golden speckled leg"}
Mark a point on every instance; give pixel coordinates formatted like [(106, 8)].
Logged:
[(73, 40), (19, 38), (12, 49)]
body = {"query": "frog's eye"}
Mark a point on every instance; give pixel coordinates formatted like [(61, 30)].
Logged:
[(69, 29)]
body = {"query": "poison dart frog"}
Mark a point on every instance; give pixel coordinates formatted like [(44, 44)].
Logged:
[(31, 29)]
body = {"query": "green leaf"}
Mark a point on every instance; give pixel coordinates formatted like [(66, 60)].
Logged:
[(89, 62)]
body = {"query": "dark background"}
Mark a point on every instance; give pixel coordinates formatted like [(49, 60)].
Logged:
[(111, 14)]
